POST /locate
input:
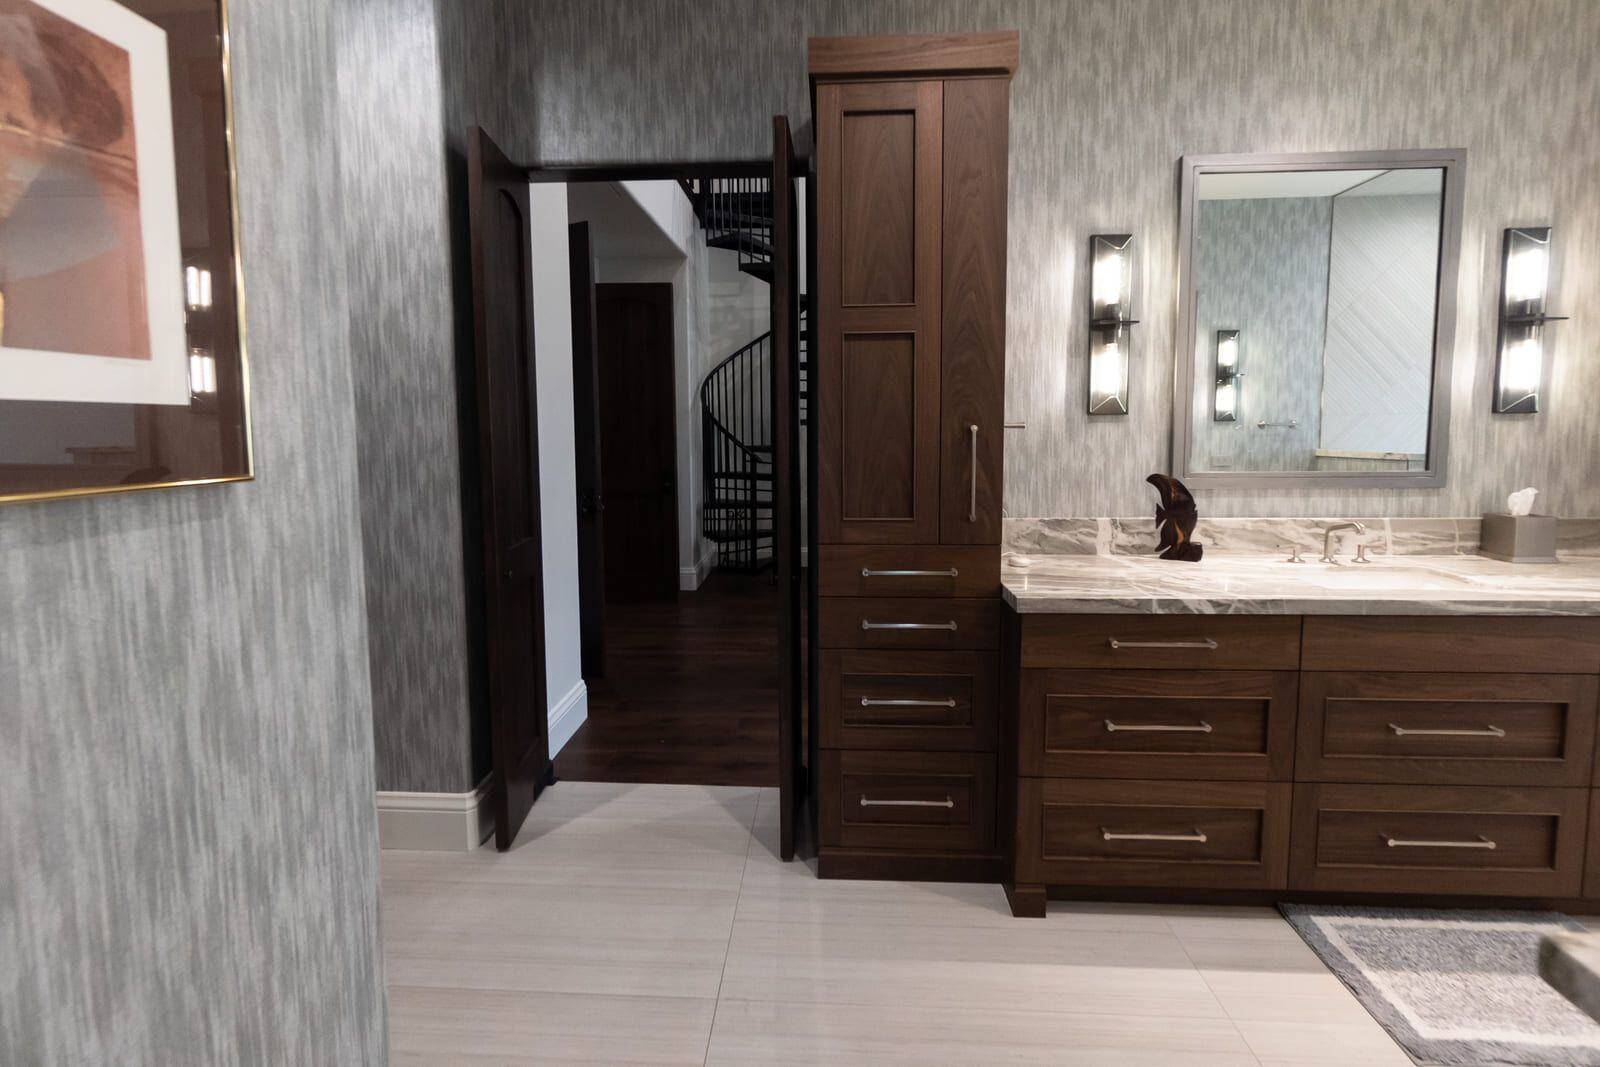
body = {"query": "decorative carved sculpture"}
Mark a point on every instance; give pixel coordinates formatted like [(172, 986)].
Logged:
[(1176, 516)]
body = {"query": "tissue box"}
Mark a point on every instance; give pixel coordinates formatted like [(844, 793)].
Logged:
[(1519, 538)]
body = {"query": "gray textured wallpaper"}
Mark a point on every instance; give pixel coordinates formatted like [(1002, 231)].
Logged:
[(1261, 267), (1110, 95), (188, 855), (403, 343)]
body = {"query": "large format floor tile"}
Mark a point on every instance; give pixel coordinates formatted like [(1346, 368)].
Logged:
[(655, 924)]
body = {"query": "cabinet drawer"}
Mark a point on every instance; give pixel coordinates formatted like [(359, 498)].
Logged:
[(1235, 725), (916, 801), (1477, 645), (1483, 729), (1222, 835), (911, 570), (906, 622), (1197, 642), (908, 700), (1501, 841)]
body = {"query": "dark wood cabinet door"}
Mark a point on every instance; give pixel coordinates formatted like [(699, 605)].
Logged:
[(877, 376), (972, 362)]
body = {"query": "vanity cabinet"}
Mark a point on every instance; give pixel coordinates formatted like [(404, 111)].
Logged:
[(908, 385), (1447, 756)]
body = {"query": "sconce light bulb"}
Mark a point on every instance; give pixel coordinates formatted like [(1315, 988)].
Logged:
[(1105, 372), (1522, 367), (1527, 272), (1228, 353), (1108, 271), (1226, 398)]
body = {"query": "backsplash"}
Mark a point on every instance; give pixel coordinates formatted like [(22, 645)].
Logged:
[(1253, 536)]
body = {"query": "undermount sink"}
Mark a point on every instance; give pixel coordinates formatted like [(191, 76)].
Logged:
[(1380, 574)]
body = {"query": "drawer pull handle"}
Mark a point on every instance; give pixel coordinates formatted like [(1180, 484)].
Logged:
[(1399, 842), (1405, 731), (868, 802), (948, 572), (865, 625), (1205, 643), (1198, 837), (871, 702), (1156, 728), (972, 501)]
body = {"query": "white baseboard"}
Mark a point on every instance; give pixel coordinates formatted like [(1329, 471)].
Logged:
[(440, 822), (691, 578), (569, 713)]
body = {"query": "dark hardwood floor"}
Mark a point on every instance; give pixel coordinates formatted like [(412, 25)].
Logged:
[(690, 693)]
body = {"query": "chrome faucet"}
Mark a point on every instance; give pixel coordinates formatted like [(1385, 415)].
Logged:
[(1327, 538)]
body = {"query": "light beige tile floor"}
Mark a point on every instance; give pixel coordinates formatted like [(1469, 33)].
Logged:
[(655, 925)]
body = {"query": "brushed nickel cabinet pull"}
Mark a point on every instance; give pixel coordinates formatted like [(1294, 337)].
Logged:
[(948, 572), (869, 702), (865, 625), (867, 802), (1198, 837), (1205, 643), (1398, 842), (972, 502), (1153, 728), (1406, 731)]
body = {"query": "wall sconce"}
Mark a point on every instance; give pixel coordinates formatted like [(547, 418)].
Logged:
[(197, 288), (1524, 283), (1110, 315), (1226, 406)]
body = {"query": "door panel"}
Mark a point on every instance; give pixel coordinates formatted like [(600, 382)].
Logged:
[(509, 466), (972, 361), (878, 350), (586, 435), (638, 435)]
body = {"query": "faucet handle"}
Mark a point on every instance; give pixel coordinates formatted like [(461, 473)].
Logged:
[(1294, 551), (1361, 553)]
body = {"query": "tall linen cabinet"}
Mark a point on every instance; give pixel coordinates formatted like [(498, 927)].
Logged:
[(907, 407)]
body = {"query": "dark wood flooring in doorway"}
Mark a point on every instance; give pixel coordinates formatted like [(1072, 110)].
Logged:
[(690, 693)]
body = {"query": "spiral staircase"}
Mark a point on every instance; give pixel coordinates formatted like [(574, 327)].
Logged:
[(736, 509)]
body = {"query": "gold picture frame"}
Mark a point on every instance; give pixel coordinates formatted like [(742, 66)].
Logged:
[(244, 468)]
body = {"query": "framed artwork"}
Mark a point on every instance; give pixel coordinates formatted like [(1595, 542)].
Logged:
[(122, 357)]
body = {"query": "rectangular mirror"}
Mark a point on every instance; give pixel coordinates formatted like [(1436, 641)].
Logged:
[(1316, 318)]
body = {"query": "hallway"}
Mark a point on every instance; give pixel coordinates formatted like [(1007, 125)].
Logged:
[(690, 693), (654, 924)]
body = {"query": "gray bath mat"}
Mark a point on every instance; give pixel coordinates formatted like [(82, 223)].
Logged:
[(1454, 987)]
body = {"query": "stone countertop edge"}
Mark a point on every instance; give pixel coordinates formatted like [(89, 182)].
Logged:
[(1571, 964)]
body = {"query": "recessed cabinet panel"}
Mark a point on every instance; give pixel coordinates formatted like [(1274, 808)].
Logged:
[(908, 700), (877, 207), (880, 426)]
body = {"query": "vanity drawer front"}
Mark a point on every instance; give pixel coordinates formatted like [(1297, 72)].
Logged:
[(1222, 835), (909, 801), (1197, 642), (1481, 729), (909, 570), (1502, 841), (1490, 644), (907, 622), (908, 700), (1236, 725)]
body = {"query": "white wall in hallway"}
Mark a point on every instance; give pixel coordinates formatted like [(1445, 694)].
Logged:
[(558, 490)]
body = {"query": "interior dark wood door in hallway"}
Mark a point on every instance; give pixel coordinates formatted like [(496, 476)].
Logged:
[(507, 412), (586, 458), (638, 441)]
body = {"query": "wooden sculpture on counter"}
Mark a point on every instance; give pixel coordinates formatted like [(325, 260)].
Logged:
[(1176, 517)]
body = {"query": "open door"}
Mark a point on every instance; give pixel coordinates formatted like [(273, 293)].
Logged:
[(502, 308), (786, 480), (586, 435)]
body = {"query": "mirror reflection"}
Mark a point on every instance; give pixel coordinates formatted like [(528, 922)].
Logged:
[(1315, 296)]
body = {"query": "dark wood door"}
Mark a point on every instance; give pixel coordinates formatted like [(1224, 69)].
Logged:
[(638, 441), (972, 365), (877, 418), (586, 441), (507, 410), (785, 312)]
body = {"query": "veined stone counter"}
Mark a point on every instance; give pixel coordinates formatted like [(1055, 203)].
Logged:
[(1256, 585)]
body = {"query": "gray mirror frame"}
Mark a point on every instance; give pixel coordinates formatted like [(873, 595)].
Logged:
[(1453, 162)]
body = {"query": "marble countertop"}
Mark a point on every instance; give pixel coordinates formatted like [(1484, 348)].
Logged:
[(1571, 963), (1267, 585)]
